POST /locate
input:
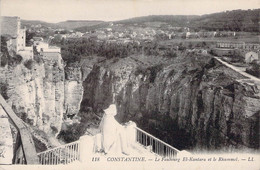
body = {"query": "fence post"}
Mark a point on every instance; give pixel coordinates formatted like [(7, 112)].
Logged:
[(86, 148), (131, 132)]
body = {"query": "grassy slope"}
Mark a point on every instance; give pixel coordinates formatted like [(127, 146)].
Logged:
[(236, 20), (72, 24)]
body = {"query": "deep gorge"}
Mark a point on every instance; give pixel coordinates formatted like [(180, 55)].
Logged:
[(190, 101)]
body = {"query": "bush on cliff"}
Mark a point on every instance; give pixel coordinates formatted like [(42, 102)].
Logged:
[(254, 69), (28, 64), (72, 132), (11, 61), (3, 90), (73, 49), (152, 71), (4, 51), (17, 59), (6, 58)]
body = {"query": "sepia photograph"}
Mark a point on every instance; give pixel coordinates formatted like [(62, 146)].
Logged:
[(129, 84)]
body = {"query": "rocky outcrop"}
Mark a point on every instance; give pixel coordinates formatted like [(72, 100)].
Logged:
[(37, 94), (190, 102), (73, 90), (41, 94)]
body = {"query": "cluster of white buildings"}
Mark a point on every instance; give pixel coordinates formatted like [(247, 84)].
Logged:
[(209, 34), (16, 40), (249, 50), (11, 28), (70, 35)]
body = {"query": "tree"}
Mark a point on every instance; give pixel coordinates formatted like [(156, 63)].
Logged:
[(29, 36), (237, 56), (254, 69)]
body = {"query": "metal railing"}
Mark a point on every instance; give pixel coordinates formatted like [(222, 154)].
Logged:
[(155, 145), (63, 154)]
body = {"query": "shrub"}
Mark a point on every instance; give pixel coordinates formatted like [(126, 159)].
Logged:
[(3, 90), (153, 72), (170, 54), (55, 64), (254, 69), (37, 58), (39, 145), (181, 47), (28, 64), (54, 129), (171, 73), (4, 51), (140, 70), (4, 60), (17, 59)]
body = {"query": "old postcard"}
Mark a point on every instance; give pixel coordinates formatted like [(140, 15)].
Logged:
[(129, 84)]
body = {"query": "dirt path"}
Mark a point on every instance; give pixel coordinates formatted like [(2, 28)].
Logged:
[(241, 71)]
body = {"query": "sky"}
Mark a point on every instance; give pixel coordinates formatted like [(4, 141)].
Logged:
[(112, 10)]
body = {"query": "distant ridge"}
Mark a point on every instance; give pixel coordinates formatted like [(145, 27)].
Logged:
[(69, 24), (82, 21), (28, 23), (72, 24), (235, 20), (178, 20)]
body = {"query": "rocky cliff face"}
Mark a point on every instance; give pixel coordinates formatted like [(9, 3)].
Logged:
[(73, 90), (190, 101), (41, 95)]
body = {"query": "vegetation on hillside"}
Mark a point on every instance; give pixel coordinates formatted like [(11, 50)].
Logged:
[(236, 20), (28, 23), (6, 58), (174, 20), (28, 64), (254, 69), (73, 49), (3, 90), (70, 24), (29, 35), (72, 132)]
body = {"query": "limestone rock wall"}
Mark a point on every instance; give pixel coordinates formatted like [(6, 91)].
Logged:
[(41, 96), (189, 102), (36, 95), (73, 90)]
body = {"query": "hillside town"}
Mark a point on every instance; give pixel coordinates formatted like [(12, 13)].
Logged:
[(45, 40)]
